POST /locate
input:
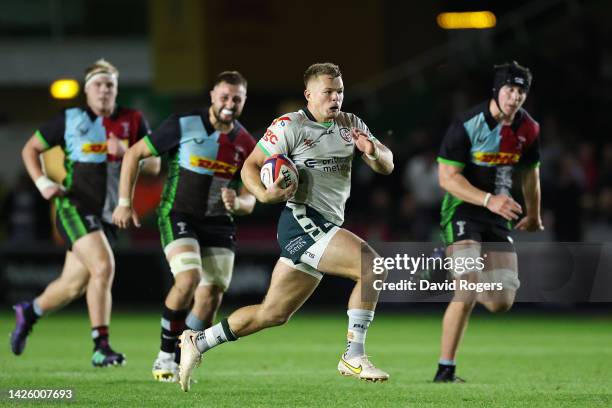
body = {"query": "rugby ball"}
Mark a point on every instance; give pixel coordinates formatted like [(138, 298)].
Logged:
[(279, 165)]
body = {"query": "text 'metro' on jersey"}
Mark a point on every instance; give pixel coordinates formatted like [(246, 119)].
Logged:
[(202, 161), (488, 152)]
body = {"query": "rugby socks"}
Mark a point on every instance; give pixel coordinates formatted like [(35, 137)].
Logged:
[(193, 323), (37, 310), (359, 321), (172, 325), (443, 362), (214, 335), (100, 337)]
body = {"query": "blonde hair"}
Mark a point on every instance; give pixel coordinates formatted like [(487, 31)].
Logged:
[(101, 66), (321, 68)]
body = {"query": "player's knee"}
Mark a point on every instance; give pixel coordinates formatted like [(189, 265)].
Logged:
[(187, 282), (103, 270), (76, 289), (207, 301), (498, 307), (371, 262), (465, 304)]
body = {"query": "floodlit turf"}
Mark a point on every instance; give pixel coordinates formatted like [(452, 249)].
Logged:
[(515, 360)]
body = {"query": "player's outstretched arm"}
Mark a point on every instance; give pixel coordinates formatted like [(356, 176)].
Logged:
[(31, 159), (124, 214), (531, 192), (451, 180), (376, 155), (251, 178)]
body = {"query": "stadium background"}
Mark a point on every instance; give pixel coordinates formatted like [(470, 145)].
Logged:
[(404, 75)]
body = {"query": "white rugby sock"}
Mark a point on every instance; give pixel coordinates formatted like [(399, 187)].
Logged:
[(359, 321), (214, 335)]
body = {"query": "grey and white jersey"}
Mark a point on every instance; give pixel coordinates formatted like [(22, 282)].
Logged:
[(323, 156)]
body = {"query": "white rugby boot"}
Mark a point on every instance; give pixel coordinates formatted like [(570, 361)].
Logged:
[(165, 370), (361, 368), (190, 358)]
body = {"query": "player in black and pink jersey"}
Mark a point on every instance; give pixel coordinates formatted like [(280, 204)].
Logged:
[(94, 139), (479, 154), (206, 149)]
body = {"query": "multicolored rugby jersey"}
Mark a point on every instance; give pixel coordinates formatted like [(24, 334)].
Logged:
[(202, 161), (90, 182), (323, 154), (488, 152)]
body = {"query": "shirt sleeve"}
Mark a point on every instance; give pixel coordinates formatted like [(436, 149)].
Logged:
[(52, 133), (143, 128), (531, 157), (280, 137), (360, 124), (455, 148), (166, 137)]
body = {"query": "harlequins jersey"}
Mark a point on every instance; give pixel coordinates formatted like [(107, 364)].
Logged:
[(488, 152), (82, 135), (202, 161)]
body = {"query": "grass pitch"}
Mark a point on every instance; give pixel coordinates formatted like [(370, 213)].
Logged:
[(514, 360)]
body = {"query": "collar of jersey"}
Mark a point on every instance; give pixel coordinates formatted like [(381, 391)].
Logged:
[(492, 122), (93, 116), (310, 116), (210, 129)]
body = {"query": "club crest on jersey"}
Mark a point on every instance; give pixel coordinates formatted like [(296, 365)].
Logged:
[(126, 129), (215, 165), (345, 134), (93, 148)]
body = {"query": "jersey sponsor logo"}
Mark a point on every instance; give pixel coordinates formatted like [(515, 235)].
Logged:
[(216, 165), (296, 244), (311, 163), (269, 136), (345, 134), (497, 158), (93, 148), (332, 165), (281, 121)]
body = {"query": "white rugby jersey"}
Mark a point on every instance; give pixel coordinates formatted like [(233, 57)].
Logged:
[(322, 155)]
